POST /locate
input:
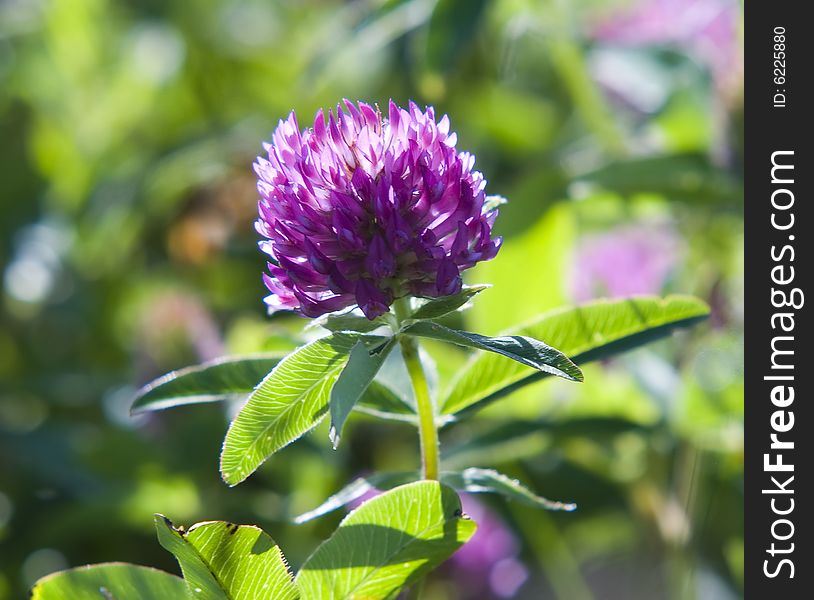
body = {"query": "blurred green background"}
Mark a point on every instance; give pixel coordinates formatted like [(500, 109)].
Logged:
[(127, 249)]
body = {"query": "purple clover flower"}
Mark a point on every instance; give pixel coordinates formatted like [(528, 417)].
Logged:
[(362, 210)]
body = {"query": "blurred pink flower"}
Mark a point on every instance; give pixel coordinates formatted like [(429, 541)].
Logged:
[(706, 29), (176, 316), (489, 560), (625, 261)]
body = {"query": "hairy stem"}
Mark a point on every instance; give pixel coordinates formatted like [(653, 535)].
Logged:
[(428, 434)]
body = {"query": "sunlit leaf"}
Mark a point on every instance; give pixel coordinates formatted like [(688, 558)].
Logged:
[(289, 402), (356, 489), (348, 321), (525, 350), (110, 581), (589, 332), (475, 481), (438, 307), (387, 543), (529, 273), (219, 379), (224, 561)]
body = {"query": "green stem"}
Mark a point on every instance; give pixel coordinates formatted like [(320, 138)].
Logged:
[(428, 434)]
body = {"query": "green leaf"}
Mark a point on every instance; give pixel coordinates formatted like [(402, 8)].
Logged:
[(110, 581), (348, 321), (351, 384), (589, 332), (223, 561), (547, 244), (683, 177), (450, 32), (390, 395), (395, 377), (523, 349), (387, 543), (477, 481), (219, 379), (380, 400), (438, 307), (355, 490), (515, 440), (289, 402)]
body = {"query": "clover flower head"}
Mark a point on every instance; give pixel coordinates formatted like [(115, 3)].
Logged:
[(363, 209)]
